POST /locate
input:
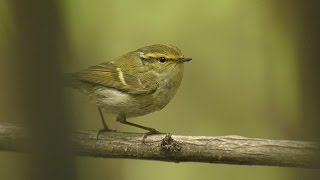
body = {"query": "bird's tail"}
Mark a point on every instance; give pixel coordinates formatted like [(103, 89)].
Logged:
[(70, 80)]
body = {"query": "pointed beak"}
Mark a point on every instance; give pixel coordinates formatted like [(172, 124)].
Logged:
[(184, 59)]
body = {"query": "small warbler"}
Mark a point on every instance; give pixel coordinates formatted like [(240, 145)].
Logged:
[(134, 84)]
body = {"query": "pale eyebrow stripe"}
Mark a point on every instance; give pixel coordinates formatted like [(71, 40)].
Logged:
[(121, 78)]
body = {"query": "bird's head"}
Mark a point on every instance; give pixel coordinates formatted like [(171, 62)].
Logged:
[(162, 58)]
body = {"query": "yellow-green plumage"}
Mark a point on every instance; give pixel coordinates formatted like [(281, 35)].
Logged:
[(135, 84)]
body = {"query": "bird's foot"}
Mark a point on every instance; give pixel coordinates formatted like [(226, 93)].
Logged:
[(151, 132), (103, 130)]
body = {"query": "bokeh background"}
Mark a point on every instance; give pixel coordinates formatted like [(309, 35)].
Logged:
[(252, 75)]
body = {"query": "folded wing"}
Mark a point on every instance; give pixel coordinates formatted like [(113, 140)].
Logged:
[(109, 75)]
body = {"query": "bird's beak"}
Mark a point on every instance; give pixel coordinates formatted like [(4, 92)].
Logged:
[(184, 59)]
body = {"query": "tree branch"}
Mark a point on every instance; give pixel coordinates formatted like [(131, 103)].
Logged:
[(223, 149)]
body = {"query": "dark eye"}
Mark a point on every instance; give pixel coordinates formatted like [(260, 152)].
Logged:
[(162, 59)]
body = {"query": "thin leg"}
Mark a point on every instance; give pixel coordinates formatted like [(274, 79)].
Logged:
[(122, 119), (105, 126)]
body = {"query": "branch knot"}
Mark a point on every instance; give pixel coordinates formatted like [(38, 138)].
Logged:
[(168, 144)]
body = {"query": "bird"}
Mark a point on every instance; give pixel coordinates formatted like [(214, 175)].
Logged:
[(135, 84)]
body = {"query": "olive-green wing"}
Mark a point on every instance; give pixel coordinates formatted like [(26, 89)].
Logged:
[(109, 75)]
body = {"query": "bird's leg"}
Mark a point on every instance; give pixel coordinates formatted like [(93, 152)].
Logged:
[(122, 119), (105, 126)]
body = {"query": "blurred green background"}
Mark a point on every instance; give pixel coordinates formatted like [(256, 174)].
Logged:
[(244, 78)]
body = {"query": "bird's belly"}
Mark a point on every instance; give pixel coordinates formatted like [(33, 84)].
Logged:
[(115, 102)]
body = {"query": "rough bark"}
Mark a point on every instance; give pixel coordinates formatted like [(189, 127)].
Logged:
[(174, 148)]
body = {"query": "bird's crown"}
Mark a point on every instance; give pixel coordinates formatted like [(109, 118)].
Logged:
[(161, 51)]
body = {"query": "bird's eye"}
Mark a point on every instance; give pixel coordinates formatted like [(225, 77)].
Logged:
[(162, 59)]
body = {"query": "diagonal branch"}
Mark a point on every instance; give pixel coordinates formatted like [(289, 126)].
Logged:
[(223, 149)]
